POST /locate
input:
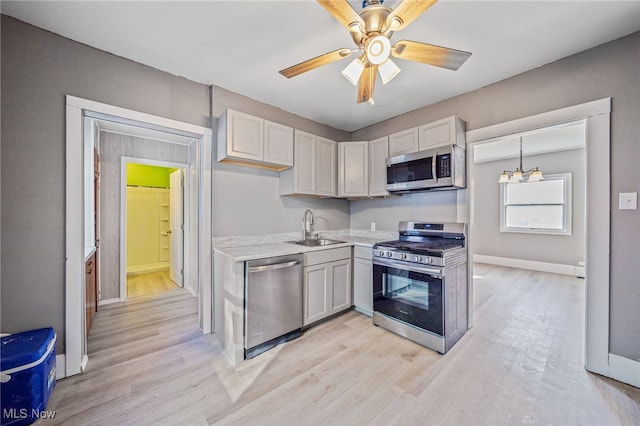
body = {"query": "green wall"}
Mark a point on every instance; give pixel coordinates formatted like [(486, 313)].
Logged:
[(153, 176)]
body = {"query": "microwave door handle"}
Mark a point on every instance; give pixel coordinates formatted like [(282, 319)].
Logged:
[(434, 159)]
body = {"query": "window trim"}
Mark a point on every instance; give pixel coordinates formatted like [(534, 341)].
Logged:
[(567, 208)]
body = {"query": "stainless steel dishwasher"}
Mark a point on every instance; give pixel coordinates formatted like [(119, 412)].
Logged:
[(272, 303)]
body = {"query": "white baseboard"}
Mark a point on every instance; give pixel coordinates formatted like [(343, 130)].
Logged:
[(61, 367), (109, 301), (83, 364), (556, 268), (624, 370), (191, 290)]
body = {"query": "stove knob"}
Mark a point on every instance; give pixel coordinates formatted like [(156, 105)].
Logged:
[(381, 253), (428, 260), (418, 258), (402, 256), (389, 254)]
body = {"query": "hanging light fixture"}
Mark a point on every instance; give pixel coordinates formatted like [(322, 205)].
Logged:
[(518, 175)]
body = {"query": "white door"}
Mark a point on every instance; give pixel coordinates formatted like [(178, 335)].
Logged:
[(176, 220)]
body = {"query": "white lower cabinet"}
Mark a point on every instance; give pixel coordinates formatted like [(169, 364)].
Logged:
[(327, 283), (363, 280)]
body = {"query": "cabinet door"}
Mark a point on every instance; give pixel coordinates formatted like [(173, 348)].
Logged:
[(438, 133), (404, 142), (305, 172), (341, 285), (363, 285), (278, 144), (244, 135), (316, 293), (378, 153), (327, 159), (91, 302), (353, 164)]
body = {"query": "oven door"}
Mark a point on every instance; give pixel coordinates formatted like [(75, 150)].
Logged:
[(411, 294)]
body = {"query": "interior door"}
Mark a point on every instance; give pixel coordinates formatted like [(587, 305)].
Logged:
[(176, 220)]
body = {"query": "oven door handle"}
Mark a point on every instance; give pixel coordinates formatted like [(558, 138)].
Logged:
[(434, 272)]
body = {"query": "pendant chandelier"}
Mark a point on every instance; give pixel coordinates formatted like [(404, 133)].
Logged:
[(518, 175)]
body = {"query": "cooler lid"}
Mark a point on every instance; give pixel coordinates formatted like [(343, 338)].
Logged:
[(25, 348)]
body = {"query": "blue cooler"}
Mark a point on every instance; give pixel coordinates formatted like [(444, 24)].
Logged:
[(27, 376)]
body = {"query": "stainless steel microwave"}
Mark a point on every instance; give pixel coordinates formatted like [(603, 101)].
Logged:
[(438, 168)]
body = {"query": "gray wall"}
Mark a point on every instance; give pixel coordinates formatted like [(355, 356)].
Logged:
[(112, 147), (386, 212), (488, 240), (246, 201), (610, 70), (38, 69)]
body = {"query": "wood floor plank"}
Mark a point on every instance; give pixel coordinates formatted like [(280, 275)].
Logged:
[(522, 362)]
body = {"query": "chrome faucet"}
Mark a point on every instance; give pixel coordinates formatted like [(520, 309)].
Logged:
[(306, 226)]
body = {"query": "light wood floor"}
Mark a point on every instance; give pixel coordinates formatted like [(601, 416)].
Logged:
[(521, 363), (149, 283)]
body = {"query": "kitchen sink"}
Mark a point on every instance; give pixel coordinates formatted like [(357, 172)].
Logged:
[(312, 242)]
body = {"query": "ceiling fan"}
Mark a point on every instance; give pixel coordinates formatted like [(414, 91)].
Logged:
[(371, 31)]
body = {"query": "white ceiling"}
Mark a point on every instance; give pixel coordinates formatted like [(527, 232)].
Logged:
[(241, 45)]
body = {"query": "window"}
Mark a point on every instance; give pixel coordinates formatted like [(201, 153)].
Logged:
[(542, 207)]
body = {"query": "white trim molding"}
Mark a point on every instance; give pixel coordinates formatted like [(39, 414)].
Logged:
[(60, 367), (556, 268), (624, 370), (104, 302)]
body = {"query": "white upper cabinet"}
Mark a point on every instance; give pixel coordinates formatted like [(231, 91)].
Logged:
[(378, 154), (314, 170), (278, 144), (249, 140), (404, 142), (353, 177), (327, 163), (448, 131), (304, 173)]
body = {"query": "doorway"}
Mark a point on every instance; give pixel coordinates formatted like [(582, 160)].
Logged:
[(75, 358), (153, 225), (597, 118)]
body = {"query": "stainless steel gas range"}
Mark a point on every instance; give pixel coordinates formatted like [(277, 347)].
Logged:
[(420, 284)]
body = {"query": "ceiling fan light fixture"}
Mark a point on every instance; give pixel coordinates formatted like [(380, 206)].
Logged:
[(378, 49), (355, 27), (353, 71), (388, 70)]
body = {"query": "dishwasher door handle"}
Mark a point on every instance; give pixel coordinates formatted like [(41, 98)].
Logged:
[(273, 267)]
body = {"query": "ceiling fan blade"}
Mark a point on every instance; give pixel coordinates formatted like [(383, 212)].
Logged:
[(430, 54), (406, 12), (367, 82), (343, 12), (316, 62)]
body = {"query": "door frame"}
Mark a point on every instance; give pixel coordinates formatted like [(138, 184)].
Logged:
[(597, 233), (75, 356), (188, 232)]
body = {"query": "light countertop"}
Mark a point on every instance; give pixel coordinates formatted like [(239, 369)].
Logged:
[(241, 253)]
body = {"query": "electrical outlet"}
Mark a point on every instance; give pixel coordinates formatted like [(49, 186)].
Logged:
[(628, 201), (373, 226)]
